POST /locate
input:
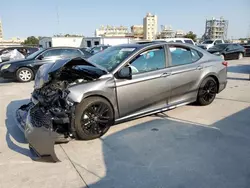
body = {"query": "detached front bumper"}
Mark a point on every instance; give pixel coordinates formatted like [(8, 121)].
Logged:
[(38, 132)]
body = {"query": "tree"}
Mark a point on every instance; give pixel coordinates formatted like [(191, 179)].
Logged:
[(31, 41), (191, 35)]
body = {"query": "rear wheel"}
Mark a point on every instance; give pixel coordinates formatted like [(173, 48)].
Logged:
[(94, 116), (24, 74), (222, 56), (207, 91), (240, 56)]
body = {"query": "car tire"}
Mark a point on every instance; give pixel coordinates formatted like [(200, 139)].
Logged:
[(240, 56), (91, 120), (207, 91), (222, 57), (24, 74)]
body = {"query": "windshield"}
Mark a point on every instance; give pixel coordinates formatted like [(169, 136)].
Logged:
[(31, 56), (111, 57), (220, 46), (208, 42)]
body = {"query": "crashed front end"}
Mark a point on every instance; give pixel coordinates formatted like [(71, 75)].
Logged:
[(49, 117)]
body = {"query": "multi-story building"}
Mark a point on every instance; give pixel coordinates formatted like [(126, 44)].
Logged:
[(1, 31), (150, 25), (137, 31), (166, 32), (179, 33), (111, 31), (216, 29)]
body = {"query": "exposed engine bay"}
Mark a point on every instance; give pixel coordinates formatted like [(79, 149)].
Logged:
[(49, 109)]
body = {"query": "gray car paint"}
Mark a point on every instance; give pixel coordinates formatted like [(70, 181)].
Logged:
[(151, 91)]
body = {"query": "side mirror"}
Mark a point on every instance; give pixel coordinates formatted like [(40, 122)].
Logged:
[(125, 73), (40, 57)]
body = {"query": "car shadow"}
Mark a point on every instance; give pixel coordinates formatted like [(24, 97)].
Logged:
[(176, 154), (3, 81), (242, 79), (13, 132), (243, 69)]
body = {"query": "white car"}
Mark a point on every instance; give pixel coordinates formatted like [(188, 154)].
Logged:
[(210, 43), (181, 40)]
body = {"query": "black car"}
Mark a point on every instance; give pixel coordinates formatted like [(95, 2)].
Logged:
[(26, 51), (24, 70), (228, 51)]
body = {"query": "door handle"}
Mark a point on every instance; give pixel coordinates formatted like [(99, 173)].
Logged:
[(165, 74), (199, 68)]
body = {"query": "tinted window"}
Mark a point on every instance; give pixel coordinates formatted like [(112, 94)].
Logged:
[(150, 60), (208, 42), (236, 46), (179, 41), (71, 53), (181, 55), (188, 41), (230, 47), (50, 53), (218, 42)]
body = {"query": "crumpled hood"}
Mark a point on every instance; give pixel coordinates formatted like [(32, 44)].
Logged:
[(49, 71)]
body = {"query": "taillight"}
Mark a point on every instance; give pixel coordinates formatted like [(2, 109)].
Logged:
[(224, 63)]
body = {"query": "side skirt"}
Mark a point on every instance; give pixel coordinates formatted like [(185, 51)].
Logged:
[(146, 113)]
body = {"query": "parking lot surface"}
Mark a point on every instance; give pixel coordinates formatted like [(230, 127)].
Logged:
[(188, 147)]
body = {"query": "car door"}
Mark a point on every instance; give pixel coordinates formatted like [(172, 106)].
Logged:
[(236, 51), (229, 52), (49, 56), (186, 70), (149, 87)]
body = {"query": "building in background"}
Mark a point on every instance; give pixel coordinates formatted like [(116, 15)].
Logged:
[(14, 41), (166, 32), (1, 31), (150, 25), (137, 31), (216, 29), (112, 31), (179, 33)]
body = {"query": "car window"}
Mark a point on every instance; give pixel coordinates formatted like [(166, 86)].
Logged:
[(178, 41), (71, 53), (53, 52), (182, 56), (150, 60), (230, 47), (236, 46), (188, 41)]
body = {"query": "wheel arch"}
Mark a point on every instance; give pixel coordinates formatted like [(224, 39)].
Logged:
[(104, 97), (214, 76)]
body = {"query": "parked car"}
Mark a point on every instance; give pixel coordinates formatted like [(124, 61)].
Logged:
[(210, 43), (98, 49), (26, 51), (228, 51), (117, 84), (247, 49), (24, 70), (180, 40)]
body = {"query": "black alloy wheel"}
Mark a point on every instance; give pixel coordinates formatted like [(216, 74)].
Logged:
[(95, 119), (207, 91)]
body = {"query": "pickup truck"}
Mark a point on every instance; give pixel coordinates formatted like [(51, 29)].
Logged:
[(210, 43)]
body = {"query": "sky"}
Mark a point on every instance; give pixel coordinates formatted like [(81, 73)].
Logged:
[(48, 17)]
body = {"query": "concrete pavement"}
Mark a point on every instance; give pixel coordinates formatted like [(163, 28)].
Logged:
[(190, 146)]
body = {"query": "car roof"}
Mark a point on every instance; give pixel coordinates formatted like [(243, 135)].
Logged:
[(63, 47)]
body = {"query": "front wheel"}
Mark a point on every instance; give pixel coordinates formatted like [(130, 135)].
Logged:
[(24, 74), (93, 118), (207, 92)]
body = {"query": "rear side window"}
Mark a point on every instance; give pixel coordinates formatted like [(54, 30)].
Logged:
[(188, 41), (179, 41), (52, 53), (71, 53), (183, 56)]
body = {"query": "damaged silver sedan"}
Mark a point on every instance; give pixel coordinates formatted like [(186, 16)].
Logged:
[(81, 99)]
